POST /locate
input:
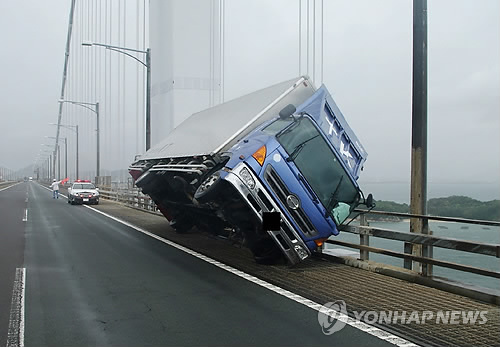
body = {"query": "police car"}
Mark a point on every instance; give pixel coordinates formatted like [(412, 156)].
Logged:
[(83, 192)]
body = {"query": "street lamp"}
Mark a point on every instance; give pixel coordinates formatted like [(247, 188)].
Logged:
[(75, 129), (51, 174), (147, 64), (40, 158), (49, 161), (58, 160), (96, 111), (65, 152)]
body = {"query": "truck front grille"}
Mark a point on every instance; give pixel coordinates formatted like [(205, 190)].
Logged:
[(281, 191)]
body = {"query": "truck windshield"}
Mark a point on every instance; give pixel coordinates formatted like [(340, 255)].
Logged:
[(318, 164)]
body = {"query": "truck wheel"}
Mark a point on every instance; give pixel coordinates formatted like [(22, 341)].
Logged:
[(181, 226), (207, 188), (266, 252)]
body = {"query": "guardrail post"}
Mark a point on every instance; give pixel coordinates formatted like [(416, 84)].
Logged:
[(427, 251), (364, 239), (408, 249)]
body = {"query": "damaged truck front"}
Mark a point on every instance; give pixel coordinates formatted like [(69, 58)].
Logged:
[(276, 170)]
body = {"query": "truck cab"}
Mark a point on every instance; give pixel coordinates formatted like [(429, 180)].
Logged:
[(303, 167)]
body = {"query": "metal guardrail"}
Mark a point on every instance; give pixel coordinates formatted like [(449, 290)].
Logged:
[(425, 240), (135, 198), (4, 184)]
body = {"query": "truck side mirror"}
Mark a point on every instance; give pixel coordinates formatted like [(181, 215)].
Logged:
[(287, 111), (369, 201)]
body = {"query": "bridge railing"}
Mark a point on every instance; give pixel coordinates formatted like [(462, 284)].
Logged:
[(134, 198), (426, 241), (4, 184)]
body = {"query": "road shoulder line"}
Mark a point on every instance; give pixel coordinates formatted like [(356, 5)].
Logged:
[(15, 184), (15, 336)]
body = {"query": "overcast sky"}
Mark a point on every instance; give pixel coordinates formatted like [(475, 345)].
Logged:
[(367, 69), (33, 35)]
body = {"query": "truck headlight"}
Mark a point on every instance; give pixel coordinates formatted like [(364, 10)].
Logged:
[(301, 252), (247, 178)]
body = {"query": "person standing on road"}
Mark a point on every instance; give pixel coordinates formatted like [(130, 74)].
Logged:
[(55, 189)]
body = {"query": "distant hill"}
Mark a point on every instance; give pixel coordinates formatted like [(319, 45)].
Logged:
[(452, 206)]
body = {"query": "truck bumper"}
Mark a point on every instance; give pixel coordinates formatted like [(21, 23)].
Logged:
[(259, 201)]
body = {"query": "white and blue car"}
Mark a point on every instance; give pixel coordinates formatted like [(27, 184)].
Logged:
[(83, 192)]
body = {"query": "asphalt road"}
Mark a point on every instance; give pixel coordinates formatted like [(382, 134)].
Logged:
[(12, 212), (92, 281)]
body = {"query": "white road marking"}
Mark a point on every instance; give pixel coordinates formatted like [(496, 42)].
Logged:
[(15, 337), (10, 186), (25, 218), (379, 333)]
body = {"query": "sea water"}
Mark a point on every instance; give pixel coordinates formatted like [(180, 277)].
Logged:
[(469, 232), (400, 191)]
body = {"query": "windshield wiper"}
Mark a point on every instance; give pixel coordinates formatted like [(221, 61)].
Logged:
[(287, 129), (298, 148), (333, 198)]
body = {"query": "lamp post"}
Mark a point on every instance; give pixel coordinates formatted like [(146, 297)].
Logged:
[(48, 160), (51, 174), (147, 64), (96, 111), (39, 163), (58, 159), (46, 157), (65, 153), (75, 129)]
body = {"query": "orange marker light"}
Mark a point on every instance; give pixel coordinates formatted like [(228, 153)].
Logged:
[(260, 155), (319, 242)]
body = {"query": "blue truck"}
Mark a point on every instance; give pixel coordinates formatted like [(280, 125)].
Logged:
[(275, 170)]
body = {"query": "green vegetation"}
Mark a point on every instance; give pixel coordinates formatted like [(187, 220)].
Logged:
[(453, 206)]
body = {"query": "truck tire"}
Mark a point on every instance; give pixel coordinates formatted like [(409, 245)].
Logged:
[(207, 189), (181, 226), (266, 252)]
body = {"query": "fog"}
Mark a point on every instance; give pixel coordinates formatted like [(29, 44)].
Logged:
[(367, 68)]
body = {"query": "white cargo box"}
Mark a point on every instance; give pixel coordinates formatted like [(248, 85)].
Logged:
[(217, 129)]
